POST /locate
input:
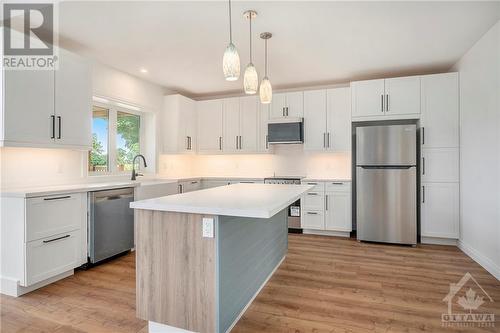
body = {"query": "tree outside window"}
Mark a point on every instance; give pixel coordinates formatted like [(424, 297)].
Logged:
[(127, 139)]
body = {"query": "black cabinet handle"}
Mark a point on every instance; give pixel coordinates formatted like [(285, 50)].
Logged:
[(267, 141), (53, 118), (423, 194), (423, 165), (382, 103), (312, 183), (312, 213), (57, 198), (387, 102), (423, 135), (326, 202), (59, 125), (58, 238), (220, 142), (312, 193), (337, 183)]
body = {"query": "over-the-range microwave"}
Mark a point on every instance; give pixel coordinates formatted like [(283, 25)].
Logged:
[(288, 130)]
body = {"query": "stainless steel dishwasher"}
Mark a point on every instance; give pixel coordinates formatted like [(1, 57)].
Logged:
[(111, 223)]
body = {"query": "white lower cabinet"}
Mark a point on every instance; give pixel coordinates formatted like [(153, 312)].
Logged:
[(48, 257), (440, 210), (327, 207)]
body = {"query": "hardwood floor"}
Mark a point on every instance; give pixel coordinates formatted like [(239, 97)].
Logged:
[(325, 285)]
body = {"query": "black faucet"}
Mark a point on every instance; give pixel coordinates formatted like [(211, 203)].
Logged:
[(135, 174)]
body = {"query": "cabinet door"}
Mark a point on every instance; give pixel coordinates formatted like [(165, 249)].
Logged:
[(295, 104), (249, 115), (231, 119), (338, 211), (339, 120), (440, 209), (189, 122), (315, 120), (209, 126), (73, 101), (29, 119), (367, 98), (312, 220), (440, 165), (263, 120), (278, 104), (402, 95), (440, 111)]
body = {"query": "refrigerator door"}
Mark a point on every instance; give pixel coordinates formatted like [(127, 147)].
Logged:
[(386, 204), (386, 145)]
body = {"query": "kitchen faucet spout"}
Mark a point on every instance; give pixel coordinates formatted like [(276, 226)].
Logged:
[(134, 173)]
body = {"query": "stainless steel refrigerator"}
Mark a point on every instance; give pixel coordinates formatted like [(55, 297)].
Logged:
[(386, 183)]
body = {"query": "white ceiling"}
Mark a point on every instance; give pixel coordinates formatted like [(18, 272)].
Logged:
[(181, 43)]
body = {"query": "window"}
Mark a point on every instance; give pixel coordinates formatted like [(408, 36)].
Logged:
[(98, 156), (116, 134)]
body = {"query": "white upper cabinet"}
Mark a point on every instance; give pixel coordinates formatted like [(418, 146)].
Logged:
[(73, 101), (249, 117), (368, 98), (177, 125), (402, 96), (440, 111), (231, 117), (386, 98), (338, 104), (209, 126), (327, 120), (48, 108), (263, 121), (315, 120), (289, 104)]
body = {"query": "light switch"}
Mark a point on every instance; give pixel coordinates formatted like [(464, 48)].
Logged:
[(208, 227)]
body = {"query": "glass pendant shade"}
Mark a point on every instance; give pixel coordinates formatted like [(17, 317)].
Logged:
[(231, 63), (250, 80), (266, 91)]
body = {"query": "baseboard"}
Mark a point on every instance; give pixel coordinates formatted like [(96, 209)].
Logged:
[(255, 295), (154, 327), (438, 241), (327, 233), (11, 287), (485, 262)]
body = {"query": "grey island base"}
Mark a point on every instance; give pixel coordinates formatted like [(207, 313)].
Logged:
[(199, 271)]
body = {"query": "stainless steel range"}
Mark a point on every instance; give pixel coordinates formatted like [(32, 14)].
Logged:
[(294, 208)]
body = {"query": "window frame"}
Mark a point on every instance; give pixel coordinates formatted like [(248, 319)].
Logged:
[(112, 133)]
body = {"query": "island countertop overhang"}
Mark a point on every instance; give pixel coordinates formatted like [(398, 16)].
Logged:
[(244, 200)]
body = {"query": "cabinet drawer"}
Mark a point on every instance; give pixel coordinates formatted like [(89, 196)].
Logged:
[(318, 186), (313, 201), (313, 220), (51, 256), (338, 186), (52, 215)]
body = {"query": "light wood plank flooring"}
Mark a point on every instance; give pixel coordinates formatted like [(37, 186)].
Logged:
[(325, 285)]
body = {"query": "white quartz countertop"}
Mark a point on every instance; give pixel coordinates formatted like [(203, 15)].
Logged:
[(245, 200)]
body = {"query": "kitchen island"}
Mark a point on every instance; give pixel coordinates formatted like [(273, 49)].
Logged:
[(202, 257)]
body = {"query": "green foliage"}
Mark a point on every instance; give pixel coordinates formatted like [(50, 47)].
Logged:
[(128, 128), (97, 155)]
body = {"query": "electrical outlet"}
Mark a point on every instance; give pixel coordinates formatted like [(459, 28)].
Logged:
[(208, 227)]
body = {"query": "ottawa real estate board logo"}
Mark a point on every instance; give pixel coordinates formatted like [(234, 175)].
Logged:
[(29, 36), (464, 305)]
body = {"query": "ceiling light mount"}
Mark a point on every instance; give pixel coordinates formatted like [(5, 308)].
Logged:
[(250, 14), (266, 35)]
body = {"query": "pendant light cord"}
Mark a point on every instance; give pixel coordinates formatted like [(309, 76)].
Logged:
[(266, 57), (250, 37), (230, 28)]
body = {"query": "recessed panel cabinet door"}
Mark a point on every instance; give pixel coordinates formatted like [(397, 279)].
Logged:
[(339, 119), (338, 211), (29, 119), (278, 104), (439, 210), (402, 95), (73, 100), (440, 165), (263, 120), (249, 115), (210, 126), (295, 104), (315, 120), (440, 111), (231, 118), (367, 98)]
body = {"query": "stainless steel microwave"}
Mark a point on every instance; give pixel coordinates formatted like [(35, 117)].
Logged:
[(288, 130)]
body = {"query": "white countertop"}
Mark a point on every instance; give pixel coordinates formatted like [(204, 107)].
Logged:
[(325, 179), (245, 200)]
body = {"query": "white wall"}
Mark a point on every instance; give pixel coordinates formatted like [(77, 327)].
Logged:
[(38, 167), (288, 160), (479, 72)]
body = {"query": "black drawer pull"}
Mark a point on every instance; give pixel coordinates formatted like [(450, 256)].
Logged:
[(312, 213), (337, 183), (194, 182), (312, 193), (57, 198), (312, 183), (58, 238)]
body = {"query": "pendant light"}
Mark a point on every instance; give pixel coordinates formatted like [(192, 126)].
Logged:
[(266, 90), (231, 59), (250, 78)]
